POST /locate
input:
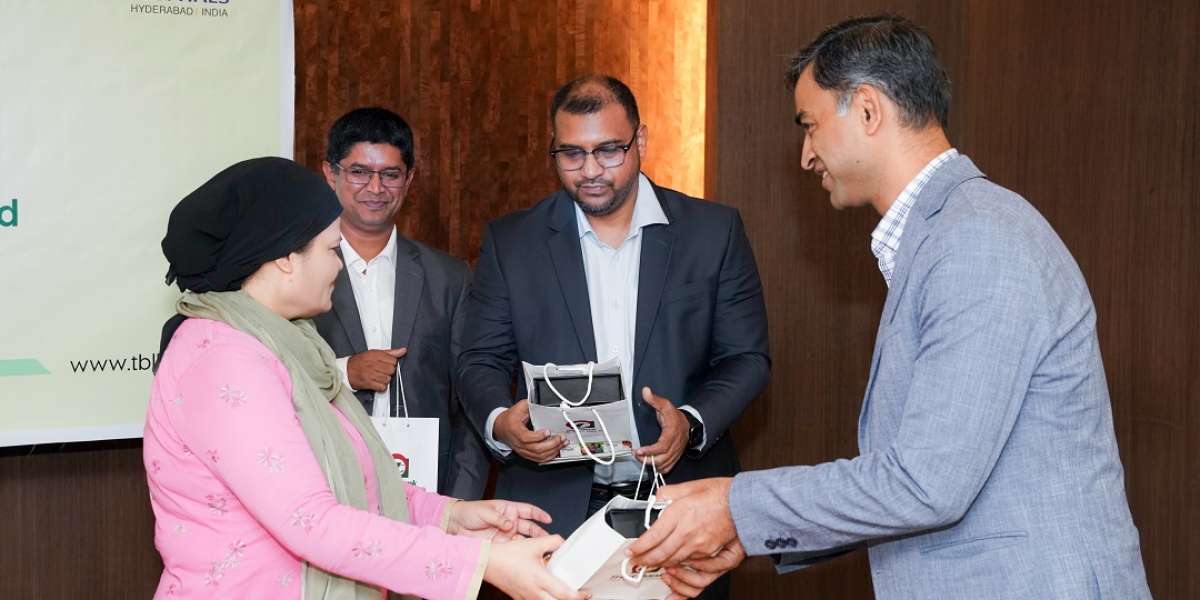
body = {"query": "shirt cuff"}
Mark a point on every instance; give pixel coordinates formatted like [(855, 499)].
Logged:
[(500, 447), (444, 522), (341, 367), (703, 429), (485, 554)]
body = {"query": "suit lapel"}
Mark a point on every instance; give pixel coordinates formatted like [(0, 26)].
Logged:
[(929, 202), (410, 284), (657, 242), (567, 258), (346, 310), (915, 233)]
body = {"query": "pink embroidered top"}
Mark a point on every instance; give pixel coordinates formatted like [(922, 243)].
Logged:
[(239, 499)]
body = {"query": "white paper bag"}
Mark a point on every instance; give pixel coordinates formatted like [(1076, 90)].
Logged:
[(412, 442), (593, 559), (596, 426)]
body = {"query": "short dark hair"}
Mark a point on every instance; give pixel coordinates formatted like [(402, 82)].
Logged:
[(373, 125), (887, 52), (580, 97)]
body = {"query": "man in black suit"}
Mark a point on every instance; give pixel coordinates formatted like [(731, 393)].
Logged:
[(613, 265), (397, 300)]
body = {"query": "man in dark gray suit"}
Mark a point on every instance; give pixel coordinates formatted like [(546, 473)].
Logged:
[(609, 266), (397, 300), (988, 465)]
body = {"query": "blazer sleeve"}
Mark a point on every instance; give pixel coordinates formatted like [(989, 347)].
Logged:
[(236, 414), (487, 364), (982, 328), (740, 363), (470, 467)]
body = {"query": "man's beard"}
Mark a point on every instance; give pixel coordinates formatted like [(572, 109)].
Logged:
[(619, 197)]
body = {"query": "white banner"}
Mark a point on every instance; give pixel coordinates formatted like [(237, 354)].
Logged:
[(110, 112)]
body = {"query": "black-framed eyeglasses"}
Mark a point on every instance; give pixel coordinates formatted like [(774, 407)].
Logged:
[(608, 156), (356, 175)]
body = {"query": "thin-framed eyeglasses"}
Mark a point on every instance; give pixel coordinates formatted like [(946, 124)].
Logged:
[(608, 155), (389, 178)]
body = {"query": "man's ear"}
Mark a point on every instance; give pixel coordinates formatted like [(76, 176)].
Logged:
[(642, 133), (869, 108), (328, 170)]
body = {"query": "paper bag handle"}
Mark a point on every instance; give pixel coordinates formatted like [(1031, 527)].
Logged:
[(402, 397), (658, 481), (591, 368), (641, 572), (612, 452)]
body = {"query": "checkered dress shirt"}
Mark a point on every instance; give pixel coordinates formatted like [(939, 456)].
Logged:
[(885, 240)]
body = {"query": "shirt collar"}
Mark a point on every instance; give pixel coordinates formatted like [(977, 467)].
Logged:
[(886, 236), (646, 211), (353, 260)]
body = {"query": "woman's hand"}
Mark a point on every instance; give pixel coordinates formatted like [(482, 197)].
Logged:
[(495, 519), (518, 568)]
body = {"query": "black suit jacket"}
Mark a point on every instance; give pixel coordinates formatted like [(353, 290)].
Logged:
[(700, 339), (427, 319)]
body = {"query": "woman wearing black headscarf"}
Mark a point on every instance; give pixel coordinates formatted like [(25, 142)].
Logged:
[(266, 476)]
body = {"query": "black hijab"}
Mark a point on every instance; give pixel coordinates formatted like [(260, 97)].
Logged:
[(254, 212)]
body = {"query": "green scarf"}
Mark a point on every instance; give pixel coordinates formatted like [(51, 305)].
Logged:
[(315, 382)]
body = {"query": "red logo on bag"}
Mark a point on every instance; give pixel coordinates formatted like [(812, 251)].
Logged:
[(401, 463)]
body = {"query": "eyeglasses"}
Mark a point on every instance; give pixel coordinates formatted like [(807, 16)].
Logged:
[(356, 175), (607, 156)]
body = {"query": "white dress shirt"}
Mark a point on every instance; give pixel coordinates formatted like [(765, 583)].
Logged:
[(612, 280), (374, 285)]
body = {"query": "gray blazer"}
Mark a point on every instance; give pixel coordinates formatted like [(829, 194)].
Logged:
[(427, 319), (988, 465)]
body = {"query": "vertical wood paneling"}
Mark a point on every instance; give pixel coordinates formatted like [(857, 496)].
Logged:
[(474, 79), (77, 523), (1086, 112)]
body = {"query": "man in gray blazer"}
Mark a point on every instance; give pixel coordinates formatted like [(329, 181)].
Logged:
[(988, 464), (397, 300)]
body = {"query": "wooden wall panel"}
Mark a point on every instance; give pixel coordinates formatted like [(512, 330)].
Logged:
[(474, 79), (77, 522), (1086, 111)]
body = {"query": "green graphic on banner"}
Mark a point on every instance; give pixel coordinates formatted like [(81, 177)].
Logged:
[(8, 214), (21, 366)]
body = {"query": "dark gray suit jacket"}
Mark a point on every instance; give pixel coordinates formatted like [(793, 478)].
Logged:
[(427, 319), (700, 334)]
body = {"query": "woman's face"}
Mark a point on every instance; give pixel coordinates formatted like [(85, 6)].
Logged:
[(314, 272)]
